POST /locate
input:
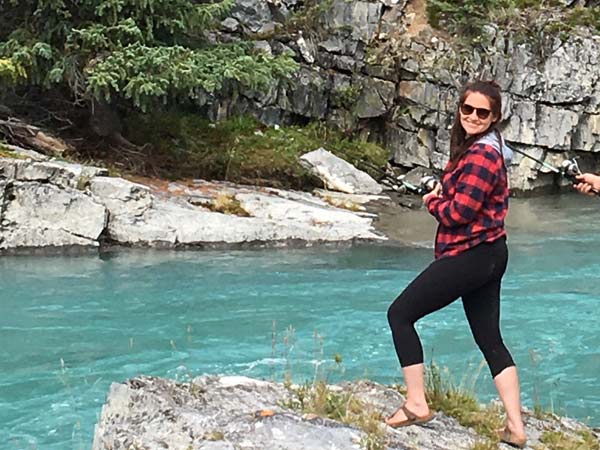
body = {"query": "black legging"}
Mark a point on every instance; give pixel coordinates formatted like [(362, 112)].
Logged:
[(475, 275)]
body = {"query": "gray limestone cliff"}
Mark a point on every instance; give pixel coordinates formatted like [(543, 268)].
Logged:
[(377, 69)]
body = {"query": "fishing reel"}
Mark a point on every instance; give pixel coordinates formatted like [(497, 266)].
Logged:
[(570, 169), (426, 185)]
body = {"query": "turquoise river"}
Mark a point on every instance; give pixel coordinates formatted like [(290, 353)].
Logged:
[(72, 325)]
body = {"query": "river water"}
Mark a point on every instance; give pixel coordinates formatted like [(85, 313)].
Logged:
[(70, 326)]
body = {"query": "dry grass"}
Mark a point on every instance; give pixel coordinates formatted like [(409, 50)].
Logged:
[(459, 401), (228, 204), (343, 203), (556, 440), (320, 400)]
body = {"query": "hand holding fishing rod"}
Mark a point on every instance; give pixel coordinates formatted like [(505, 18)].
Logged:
[(588, 183), (435, 189), (426, 185)]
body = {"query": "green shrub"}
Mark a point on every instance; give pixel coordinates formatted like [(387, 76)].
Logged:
[(145, 52), (524, 18), (240, 149)]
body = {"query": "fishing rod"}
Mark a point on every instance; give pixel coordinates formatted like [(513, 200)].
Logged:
[(426, 184), (569, 168)]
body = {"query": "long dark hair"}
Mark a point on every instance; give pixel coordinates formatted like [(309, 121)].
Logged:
[(459, 143)]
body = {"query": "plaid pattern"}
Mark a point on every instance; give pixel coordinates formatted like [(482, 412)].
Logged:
[(474, 202)]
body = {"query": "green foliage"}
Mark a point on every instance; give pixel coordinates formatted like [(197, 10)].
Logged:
[(347, 96), (10, 72), (146, 51), (525, 18), (240, 149), (464, 17), (6, 152)]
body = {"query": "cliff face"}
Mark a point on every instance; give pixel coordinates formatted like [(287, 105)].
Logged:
[(377, 68)]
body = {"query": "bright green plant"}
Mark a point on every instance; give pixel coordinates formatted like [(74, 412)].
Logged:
[(145, 51)]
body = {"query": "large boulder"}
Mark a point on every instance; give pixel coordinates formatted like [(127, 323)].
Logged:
[(338, 174)]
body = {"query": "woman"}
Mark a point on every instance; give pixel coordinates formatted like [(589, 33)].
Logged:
[(471, 256)]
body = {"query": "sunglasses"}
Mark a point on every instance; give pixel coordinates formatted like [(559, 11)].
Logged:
[(467, 110)]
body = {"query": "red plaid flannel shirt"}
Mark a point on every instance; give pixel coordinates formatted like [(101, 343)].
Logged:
[(474, 202)]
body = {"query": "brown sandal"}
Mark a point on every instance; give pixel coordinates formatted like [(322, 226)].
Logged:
[(507, 437), (411, 418)]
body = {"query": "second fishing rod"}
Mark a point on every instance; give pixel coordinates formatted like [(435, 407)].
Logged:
[(569, 168)]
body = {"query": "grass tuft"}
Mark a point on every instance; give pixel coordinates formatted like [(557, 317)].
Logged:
[(460, 402), (556, 440), (228, 204), (320, 400)]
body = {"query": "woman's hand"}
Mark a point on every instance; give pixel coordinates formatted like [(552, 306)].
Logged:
[(588, 183), (436, 192)]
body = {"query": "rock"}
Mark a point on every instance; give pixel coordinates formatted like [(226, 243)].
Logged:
[(60, 173), (363, 18), (308, 95), (376, 98), (215, 412), (263, 46), (253, 15), (555, 127), (333, 45), (340, 175), (587, 135), (26, 154), (46, 204), (551, 87), (230, 25), (521, 127), (45, 215), (524, 172), (307, 49), (410, 149)]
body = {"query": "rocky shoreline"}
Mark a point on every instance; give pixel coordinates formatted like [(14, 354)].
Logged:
[(239, 413), (60, 206)]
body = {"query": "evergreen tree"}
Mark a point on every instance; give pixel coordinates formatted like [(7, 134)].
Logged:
[(140, 50)]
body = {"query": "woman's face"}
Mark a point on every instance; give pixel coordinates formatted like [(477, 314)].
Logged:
[(476, 113)]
